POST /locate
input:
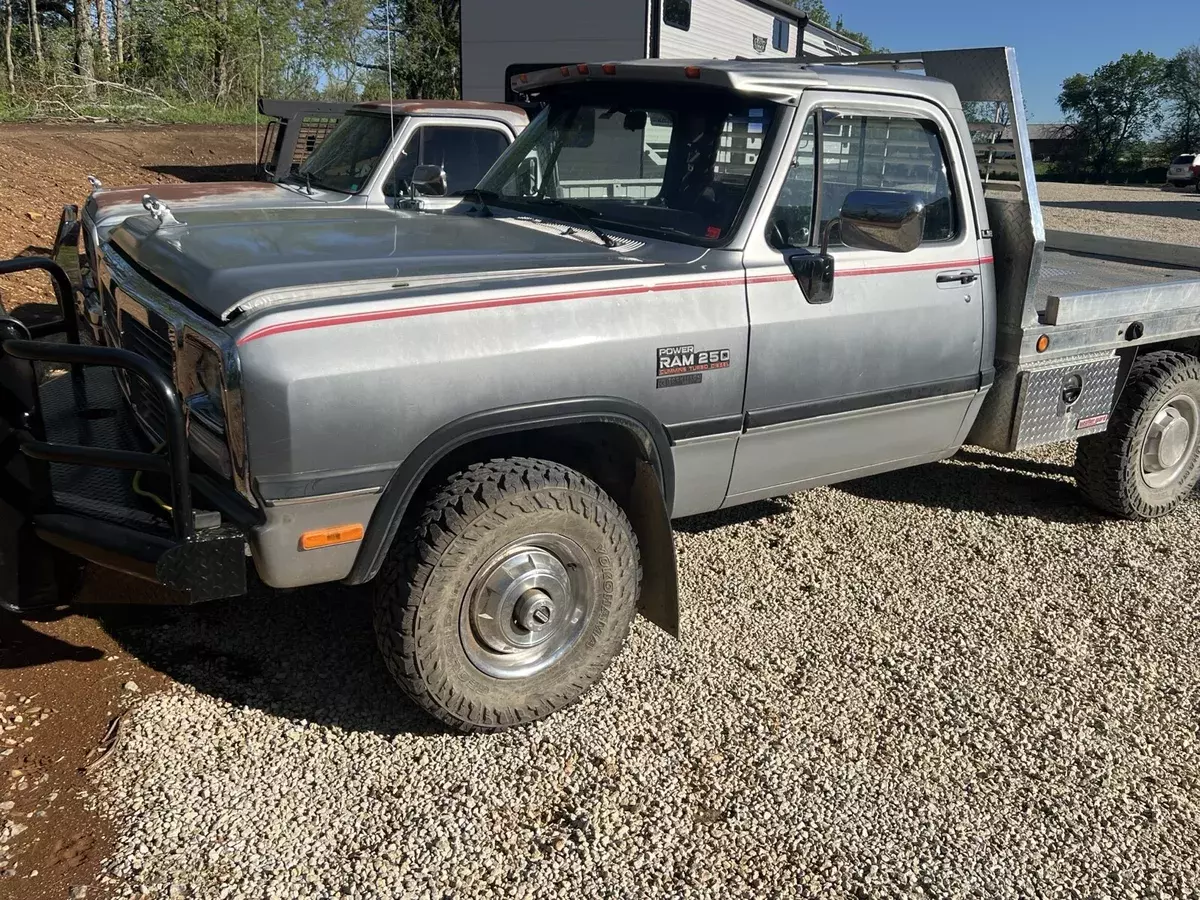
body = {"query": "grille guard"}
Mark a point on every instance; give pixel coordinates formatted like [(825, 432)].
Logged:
[(206, 563)]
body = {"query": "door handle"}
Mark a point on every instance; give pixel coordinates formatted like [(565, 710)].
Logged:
[(958, 278)]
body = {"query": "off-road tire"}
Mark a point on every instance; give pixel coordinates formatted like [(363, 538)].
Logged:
[(423, 584), (1108, 466)]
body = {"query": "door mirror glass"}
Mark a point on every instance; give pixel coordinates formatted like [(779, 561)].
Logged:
[(430, 181), (893, 221), (527, 177)]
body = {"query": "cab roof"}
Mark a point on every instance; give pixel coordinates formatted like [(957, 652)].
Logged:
[(504, 112), (779, 80)]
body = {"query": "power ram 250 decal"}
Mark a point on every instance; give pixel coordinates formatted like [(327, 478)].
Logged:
[(684, 364)]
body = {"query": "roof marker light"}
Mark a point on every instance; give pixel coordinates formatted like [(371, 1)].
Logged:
[(692, 71), (524, 78), (583, 69), (610, 68), (566, 70)]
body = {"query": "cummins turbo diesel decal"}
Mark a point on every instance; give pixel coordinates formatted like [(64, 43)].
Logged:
[(684, 364)]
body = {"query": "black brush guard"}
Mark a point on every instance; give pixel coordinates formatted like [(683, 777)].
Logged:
[(69, 448)]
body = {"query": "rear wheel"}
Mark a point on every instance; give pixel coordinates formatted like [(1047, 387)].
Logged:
[(1149, 458), (511, 595)]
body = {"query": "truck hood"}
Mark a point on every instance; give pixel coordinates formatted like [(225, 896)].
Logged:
[(109, 207), (217, 261)]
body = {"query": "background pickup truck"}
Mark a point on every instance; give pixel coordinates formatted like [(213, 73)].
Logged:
[(685, 286), (330, 159)]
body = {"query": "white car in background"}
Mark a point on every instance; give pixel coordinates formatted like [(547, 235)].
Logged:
[(1184, 171)]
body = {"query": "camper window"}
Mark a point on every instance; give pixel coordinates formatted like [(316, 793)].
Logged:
[(779, 36), (677, 14)]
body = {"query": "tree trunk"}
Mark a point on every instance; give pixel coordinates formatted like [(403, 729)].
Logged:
[(119, 32), (35, 26), (220, 56), (8, 57), (85, 57), (102, 27)]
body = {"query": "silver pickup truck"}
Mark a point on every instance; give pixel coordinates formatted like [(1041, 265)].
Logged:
[(686, 286), (364, 165)]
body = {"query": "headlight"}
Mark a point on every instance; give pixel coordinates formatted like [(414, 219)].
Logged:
[(202, 382)]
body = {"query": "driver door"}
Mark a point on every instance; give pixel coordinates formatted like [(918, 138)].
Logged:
[(883, 374)]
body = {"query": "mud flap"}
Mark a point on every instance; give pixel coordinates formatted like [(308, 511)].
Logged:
[(32, 574), (659, 599)]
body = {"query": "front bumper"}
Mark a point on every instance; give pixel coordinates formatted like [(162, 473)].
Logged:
[(69, 451)]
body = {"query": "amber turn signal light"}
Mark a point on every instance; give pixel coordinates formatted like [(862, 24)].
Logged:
[(1043, 343), (329, 537)]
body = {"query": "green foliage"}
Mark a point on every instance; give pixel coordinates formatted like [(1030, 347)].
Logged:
[(1181, 87), (178, 60), (1112, 112)]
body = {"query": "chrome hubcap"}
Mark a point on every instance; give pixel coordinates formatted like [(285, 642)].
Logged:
[(526, 607), (1170, 443)]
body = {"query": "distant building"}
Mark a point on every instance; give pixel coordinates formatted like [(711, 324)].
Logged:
[(1046, 142)]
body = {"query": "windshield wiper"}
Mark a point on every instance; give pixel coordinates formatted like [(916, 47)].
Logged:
[(579, 216), (481, 197)]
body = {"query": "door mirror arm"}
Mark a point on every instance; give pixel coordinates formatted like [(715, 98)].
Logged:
[(814, 272)]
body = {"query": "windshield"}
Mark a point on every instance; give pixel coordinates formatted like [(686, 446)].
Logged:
[(346, 158), (669, 162)]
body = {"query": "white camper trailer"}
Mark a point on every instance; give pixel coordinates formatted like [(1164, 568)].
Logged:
[(503, 38)]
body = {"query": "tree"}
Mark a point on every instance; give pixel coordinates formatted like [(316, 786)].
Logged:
[(1112, 111), (9, 69), (1182, 90), (85, 55)]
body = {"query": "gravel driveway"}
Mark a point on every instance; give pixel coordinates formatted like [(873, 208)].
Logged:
[(1147, 213), (949, 681)]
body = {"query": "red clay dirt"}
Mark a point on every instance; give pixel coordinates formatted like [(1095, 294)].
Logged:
[(43, 167), (63, 682)]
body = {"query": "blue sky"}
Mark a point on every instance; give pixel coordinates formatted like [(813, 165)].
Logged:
[(1053, 38)]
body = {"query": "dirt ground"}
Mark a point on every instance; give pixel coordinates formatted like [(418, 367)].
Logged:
[(1145, 213), (43, 167), (63, 683)]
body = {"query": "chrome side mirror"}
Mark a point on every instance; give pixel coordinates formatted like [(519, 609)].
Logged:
[(430, 181), (893, 221)]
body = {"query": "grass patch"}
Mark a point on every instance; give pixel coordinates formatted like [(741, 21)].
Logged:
[(122, 112)]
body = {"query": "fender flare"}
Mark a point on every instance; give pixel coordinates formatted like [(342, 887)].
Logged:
[(402, 486)]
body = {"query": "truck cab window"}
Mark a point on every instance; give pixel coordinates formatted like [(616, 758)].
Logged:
[(791, 221), (893, 153), (666, 164), (465, 153), (678, 14), (344, 161)]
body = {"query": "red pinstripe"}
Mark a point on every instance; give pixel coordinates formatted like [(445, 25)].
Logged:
[(462, 305)]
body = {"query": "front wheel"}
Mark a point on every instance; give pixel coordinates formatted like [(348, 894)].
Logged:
[(1149, 458), (511, 595)]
